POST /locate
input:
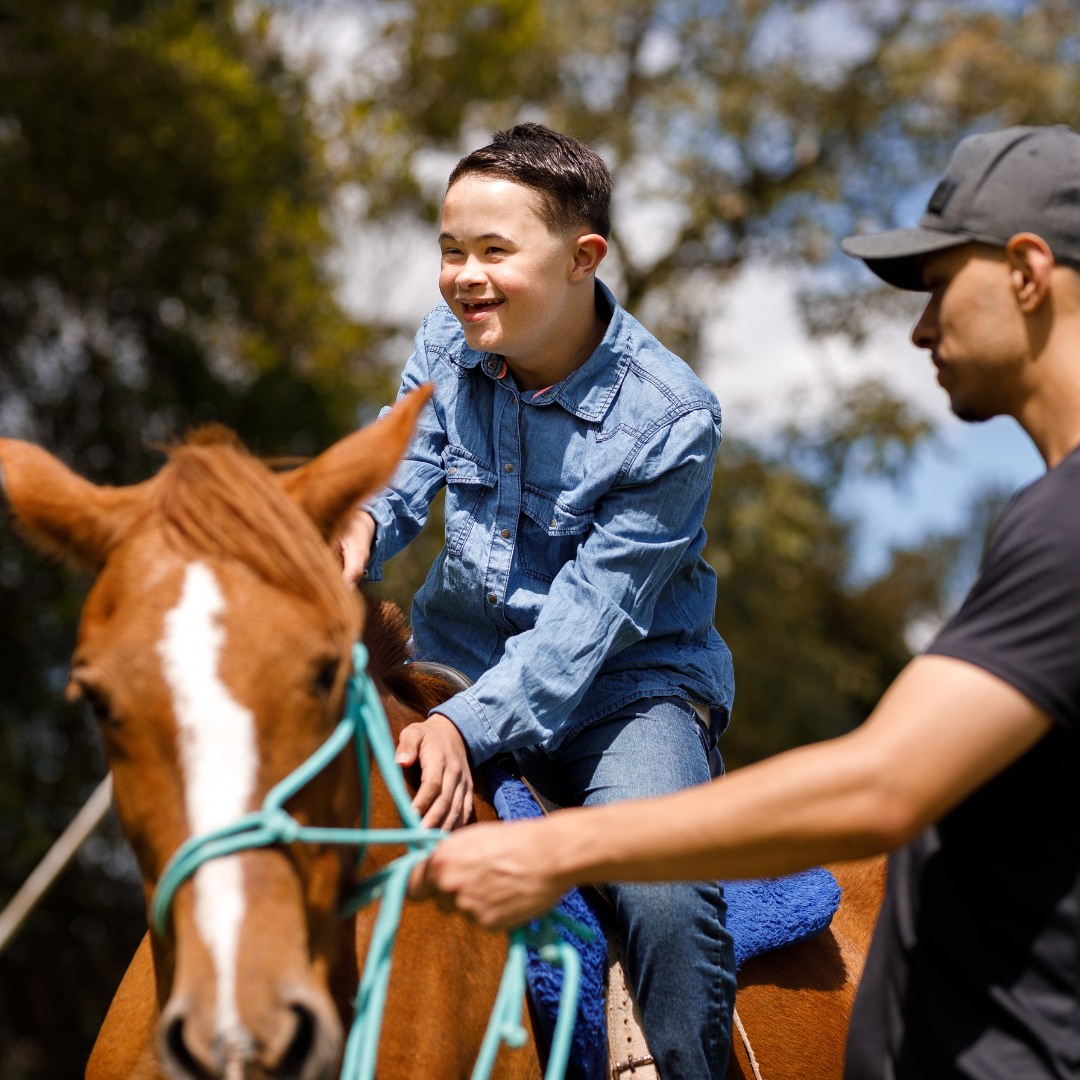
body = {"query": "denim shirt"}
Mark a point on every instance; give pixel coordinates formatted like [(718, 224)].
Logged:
[(571, 582)]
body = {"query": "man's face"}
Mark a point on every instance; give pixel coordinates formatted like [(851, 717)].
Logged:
[(504, 274), (974, 330)]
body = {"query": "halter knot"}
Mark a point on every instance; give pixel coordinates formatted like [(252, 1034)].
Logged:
[(284, 826)]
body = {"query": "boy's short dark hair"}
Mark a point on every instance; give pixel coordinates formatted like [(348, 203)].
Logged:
[(572, 181)]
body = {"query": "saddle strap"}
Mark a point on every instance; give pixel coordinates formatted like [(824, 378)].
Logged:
[(625, 1035), (737, 1020), (628, 1052)]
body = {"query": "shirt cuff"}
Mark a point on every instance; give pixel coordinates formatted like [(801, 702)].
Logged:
[(467, 715)]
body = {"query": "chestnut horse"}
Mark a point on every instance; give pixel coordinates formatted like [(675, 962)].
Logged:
[(214, 650)]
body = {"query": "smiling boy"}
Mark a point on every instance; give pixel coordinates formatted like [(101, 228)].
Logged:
[(577, 455)]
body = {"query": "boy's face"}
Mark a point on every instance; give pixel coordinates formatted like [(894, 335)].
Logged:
[(504, 274)]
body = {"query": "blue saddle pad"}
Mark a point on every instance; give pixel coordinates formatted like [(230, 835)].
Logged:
[(769, 913), (762, 915), (588, 1047)]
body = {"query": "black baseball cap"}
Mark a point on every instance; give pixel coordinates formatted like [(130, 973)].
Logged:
[(998, 184)]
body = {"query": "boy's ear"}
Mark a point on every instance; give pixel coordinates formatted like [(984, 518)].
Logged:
[(589, 252)]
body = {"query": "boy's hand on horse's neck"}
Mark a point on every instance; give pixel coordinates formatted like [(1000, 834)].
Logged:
[(353, 545), (445, 797)]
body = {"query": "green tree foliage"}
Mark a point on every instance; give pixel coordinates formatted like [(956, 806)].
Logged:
[(163, 247), (735, 128), (164, 235), (813, 650)]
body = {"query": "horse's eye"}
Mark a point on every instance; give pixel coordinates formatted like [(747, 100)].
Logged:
[(326, 677), (95, 701), (99, 708)]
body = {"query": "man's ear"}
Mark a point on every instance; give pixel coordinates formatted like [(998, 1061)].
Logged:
[(589, 252), (1031, 262)]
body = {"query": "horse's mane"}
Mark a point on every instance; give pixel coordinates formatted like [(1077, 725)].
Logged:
[(214, 498), (386, 635)]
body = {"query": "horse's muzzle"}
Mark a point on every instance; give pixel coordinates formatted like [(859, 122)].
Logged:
[(300, 1039)]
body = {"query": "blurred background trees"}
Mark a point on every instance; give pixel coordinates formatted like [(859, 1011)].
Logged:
[(164, 240), (207, 212)]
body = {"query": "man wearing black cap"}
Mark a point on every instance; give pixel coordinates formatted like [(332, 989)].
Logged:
[(969, 767)]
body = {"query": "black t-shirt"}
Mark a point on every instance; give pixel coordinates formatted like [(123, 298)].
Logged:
[(975, 966)]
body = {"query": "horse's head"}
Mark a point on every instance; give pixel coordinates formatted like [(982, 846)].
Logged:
[(213, 650)]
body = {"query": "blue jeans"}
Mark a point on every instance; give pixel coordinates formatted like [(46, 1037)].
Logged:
[(680, 958)]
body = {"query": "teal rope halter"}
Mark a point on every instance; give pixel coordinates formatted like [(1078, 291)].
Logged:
[(365, 723)]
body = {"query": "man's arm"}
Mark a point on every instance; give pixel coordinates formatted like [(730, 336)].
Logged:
[(942, 730)]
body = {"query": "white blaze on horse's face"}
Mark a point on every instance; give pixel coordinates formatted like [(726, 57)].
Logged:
[(218, 755)]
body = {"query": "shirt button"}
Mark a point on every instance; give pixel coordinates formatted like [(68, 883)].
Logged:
[(452, 470), (508, 467), (492, 598), (554, 523), (505, 534)]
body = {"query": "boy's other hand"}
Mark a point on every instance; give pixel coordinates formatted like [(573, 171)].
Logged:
[(445, 798), (353, 544)]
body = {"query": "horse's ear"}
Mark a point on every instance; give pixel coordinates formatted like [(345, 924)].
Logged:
[(328, 487), (63, 514)]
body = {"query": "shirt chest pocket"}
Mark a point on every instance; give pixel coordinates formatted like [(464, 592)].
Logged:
[(549, 534), (468, 483)]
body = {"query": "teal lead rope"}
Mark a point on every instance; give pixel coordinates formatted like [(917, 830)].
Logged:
[(365, 723)]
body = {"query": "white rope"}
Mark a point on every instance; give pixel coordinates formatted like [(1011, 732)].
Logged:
[(56, 858), (746, 1043)]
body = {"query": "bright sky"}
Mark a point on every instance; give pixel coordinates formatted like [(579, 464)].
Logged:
[(765, 370)]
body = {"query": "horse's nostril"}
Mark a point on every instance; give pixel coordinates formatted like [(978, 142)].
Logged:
[(183, 1061), (296, 1041), (298, 1052)]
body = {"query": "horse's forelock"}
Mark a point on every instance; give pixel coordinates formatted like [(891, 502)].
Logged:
[(215, 499), (214, 435)]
